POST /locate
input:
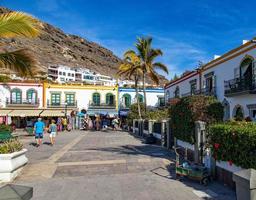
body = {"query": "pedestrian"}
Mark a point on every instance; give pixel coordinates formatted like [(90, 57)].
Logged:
[(59, 124), (90, 123), (39, 128), (64, 123), (97, 123), (53, 132)]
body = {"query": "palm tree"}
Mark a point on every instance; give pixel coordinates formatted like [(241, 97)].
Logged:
[(18, 24), (148, 55), (131, 69)]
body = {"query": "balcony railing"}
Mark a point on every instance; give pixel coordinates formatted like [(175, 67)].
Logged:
[(102, 105), (239, 86), (22, 102), (205, 91), (61, 104)]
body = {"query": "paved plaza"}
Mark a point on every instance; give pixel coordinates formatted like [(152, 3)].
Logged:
[(108, 165)]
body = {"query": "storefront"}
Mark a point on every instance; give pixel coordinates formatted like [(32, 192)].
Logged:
[(4, 116)]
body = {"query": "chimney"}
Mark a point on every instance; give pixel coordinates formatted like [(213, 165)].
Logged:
[(245, 41), (216, 56)]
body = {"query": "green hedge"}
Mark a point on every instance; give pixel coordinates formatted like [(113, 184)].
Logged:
[(5, 128), (190, 109), (234, 142)]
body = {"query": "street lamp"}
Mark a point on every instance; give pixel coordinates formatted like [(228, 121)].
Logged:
[(66, 106)]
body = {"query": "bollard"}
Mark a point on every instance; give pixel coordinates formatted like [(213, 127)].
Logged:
[(163, 133), (200, 140), (245, 184)]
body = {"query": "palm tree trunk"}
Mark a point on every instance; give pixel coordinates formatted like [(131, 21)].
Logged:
[(144, 91), (137, 96)]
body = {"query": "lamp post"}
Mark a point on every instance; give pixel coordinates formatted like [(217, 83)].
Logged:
[(66, 105)]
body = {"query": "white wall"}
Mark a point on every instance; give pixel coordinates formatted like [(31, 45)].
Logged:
[(151, 95), (5, 91), (184, 85), (224, 72)]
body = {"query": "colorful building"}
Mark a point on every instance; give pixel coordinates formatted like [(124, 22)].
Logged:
[(231, 78)]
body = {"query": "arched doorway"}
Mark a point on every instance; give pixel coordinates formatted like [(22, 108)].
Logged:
[(226, 107), (238, 113)]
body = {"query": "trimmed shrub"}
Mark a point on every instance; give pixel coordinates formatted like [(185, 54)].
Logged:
[(10, 146), (234, 142), (5, 128), (190, 109), (157, 114), (134, 114)]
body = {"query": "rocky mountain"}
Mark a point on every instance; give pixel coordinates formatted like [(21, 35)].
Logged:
[(54, 46)]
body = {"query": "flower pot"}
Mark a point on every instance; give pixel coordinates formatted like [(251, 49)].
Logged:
[(12, 164)]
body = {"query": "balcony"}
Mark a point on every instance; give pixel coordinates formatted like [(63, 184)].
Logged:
[(93, 105), (204, 91), (61, 104), (239, 86), (22, 102)]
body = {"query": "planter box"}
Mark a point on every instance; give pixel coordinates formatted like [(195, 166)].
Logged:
[(11, 165)]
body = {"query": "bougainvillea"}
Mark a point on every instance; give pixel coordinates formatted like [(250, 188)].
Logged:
[(190, 109), (237, 143)]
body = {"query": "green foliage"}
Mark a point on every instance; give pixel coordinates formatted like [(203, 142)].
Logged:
[(10, 146), (4, 78), (157, 114), (134, 114), (234, 142), (5, 128), (190, 109)]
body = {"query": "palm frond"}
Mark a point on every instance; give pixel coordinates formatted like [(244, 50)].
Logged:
[(15, 24), (20, 61), (161, 66), (153, 75)]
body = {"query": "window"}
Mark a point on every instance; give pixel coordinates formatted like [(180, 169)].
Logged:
[(16, 96), (127, 100), (69, 74), (64, 73), (167, 94), (60, 73), (32, 96), (109, 99), (96, 98), (161, 101), (177, 92), (193, 88), (70, 99), (140, 97), (55, 99), (62, 79), (73, 75)]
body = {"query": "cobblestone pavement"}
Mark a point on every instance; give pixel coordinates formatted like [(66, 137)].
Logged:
[(108, 165)]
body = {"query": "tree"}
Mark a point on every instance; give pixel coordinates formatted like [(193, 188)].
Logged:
[(131, 69), (147, 56), (18, 24)]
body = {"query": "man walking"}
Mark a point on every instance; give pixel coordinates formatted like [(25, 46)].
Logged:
[(39, 131)]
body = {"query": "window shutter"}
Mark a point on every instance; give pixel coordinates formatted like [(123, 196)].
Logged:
[(254, 70), (237, 72), (204, 83)]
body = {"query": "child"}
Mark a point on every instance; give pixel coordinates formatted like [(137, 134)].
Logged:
[(53, 132)]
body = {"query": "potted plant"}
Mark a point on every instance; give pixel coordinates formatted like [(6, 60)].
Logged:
[(12, 159)]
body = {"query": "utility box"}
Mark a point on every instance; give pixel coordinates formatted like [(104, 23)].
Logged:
[(245, 184)]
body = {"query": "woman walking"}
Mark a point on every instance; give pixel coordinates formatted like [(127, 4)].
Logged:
[(53, 132), (59, 124)]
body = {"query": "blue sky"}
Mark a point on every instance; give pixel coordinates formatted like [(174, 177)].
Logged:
[(187, 31)]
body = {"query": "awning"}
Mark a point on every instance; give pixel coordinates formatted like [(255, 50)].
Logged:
[(53, 113), (4, 112), (94, 112), (25, 113)]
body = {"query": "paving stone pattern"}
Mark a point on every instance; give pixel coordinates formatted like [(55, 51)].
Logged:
[(108, 166)]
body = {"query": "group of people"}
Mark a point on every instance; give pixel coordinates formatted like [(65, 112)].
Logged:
[(40, 128), (100, 122)]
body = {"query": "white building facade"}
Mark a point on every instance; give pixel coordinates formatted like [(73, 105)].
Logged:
[(127, 97), (230, 77)]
